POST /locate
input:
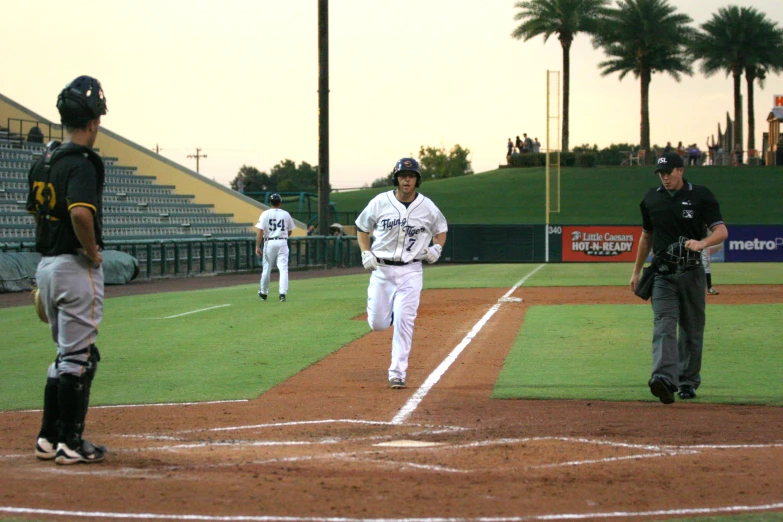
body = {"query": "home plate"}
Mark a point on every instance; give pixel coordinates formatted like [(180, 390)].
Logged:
[(408, 444), (510, 300)]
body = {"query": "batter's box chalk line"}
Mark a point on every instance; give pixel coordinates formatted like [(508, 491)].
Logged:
[(510, 300)]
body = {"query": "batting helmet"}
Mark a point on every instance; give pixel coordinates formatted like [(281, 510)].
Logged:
[(275, 198), (407, 165), (679, 257), (81, 101)]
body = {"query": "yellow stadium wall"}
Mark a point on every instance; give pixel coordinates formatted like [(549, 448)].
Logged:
[(186, 181)]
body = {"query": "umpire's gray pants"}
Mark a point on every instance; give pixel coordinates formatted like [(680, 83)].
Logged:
[(679, 300)]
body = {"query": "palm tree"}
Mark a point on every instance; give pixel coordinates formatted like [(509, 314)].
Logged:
[(769, 61), (644, 37), (567, 18), (735, 40)]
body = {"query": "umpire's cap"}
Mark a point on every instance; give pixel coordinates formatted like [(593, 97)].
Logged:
[(407, 165), (81, 101), (275, 198), (668, 162)]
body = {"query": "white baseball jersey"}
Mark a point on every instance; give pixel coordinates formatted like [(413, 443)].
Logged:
[(401, 234), (276, 223)]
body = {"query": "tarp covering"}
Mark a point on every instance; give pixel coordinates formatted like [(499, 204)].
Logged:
[(17, 269)]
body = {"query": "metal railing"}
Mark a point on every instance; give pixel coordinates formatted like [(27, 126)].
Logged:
[(52, 130), (186, 257)]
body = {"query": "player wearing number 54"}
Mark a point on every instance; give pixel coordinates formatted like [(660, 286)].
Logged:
[(273, 226), (403, 223)]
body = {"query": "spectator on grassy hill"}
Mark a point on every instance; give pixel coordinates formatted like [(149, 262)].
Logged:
[(519, 145), (737, 154), (536, 146), (528, 143), (668, 147), (680, 150), (510, 147), (693, 155)]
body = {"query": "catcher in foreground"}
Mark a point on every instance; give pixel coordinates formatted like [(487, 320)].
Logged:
[(65, 198)]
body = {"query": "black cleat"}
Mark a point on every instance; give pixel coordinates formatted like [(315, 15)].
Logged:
[(282, 298), (396, 383), (686, 392), (86, 452), (262, 296), (663, 389), (45, 449)]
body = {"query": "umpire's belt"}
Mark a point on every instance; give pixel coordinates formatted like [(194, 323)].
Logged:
[(397, 263), (273, 238)]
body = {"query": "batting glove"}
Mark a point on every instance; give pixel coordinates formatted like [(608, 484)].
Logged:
[(433, 253), (369, 261)]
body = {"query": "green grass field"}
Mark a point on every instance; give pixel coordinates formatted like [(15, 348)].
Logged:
[(602, 195), (241, 347)]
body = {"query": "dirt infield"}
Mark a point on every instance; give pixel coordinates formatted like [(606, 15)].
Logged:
[(335, 442)]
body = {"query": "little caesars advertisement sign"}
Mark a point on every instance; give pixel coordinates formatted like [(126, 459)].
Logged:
[(600, 244)]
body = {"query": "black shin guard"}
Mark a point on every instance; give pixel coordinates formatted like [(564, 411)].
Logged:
[(51, 411), (73, 400)]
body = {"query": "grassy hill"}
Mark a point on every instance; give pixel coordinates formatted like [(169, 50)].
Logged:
[(602, 195)]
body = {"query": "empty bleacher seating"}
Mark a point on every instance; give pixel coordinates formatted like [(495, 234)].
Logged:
[(135, 206)]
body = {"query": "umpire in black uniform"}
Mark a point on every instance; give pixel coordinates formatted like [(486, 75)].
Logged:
[(65, 198), (674, 217)]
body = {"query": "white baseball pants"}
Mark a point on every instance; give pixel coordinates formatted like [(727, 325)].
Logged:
[(397, 290), (275, 252)]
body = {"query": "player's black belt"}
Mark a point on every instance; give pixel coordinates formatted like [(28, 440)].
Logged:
[(273, 238), (397, 263)]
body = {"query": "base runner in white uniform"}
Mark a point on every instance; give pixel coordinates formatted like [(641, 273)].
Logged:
[(273, 226), (403, 223)]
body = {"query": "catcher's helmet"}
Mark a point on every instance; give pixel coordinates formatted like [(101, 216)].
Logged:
[(407, 165), (677, 256), (275, 198), (81, 101)]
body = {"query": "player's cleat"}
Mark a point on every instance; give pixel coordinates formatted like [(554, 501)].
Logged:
[(396, 383), (712, 291), (663, 389), (262, 296), (45, 450), (86, 452), (282, 298), (686, 392)]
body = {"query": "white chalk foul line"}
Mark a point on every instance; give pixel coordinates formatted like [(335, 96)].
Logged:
[(197, 311), (272, 518), (435, 376)]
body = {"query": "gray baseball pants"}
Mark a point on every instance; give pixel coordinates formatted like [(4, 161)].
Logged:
[(679, 301), (72, 290)]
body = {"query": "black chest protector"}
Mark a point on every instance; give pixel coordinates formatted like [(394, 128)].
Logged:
[(47, 198)]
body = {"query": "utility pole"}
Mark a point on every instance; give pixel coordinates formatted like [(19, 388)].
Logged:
[(323, 117), (198, 156), (157, 149)]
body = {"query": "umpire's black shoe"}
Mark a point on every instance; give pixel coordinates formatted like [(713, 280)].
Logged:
[(262, 296), (686, 392), (663, 389), (282, 298)]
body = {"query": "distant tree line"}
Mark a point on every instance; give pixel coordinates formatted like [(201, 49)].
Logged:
[(436, 163), (286, 176), (643, 37)]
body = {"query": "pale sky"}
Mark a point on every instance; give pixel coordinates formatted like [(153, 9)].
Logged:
[(239, 79)]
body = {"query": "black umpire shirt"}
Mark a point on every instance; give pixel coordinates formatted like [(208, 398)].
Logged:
[(76, 178), (686, 213)]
